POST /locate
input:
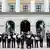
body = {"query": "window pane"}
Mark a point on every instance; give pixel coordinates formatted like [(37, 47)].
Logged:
[(0, 7), (49, 7), (25, 8), (38, 7), (12, 7)]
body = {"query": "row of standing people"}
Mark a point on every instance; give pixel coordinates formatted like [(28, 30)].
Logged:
[(19, 38)]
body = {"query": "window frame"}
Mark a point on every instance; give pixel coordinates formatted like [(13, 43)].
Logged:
[(25, 8), (38, 9), (49, 7), (12, 7), (0, 7)]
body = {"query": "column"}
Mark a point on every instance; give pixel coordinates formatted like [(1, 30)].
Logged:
[(46, 5), (17, 7), (4, 5), (32, 6)]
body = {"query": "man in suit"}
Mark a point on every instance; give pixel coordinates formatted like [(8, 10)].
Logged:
[(8, 41), (22, 40), (1, 40), (18, 39), (29, 40), (13, 37), (4, 39), (13, 40)]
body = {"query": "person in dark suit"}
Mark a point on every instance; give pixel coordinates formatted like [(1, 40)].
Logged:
[(28, 40), (22, 40), (8, 41), (18, 39), (32, 38), (13, 40), (48, 38), (4, 39), (0, 38), (41, 42), (36, 41)]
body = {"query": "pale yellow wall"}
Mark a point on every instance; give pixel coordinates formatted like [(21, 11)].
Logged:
[(21, 6), (11, 1), (26, 1), (39, 1)]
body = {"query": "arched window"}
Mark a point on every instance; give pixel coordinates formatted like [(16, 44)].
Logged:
[(40, 26), (10, 26), (25, 26), (0, 7)]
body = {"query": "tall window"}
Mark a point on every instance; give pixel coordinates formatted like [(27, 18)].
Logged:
[(49, 7), (38, 7), (0, 7), (40, 27), (12, 7), (25, 8), (25, 26)]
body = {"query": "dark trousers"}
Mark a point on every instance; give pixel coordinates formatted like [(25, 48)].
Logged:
[(28, 43), (36, 44), (4, 43), (13, 43), (41, 43), (8, 42), (32, 42), (48, 43), (22, 43), (0, 39), (18, 43)]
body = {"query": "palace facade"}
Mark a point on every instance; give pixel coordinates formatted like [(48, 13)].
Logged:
[(25, 5)]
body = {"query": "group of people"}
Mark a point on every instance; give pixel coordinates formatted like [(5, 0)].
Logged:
[(26, 37)]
